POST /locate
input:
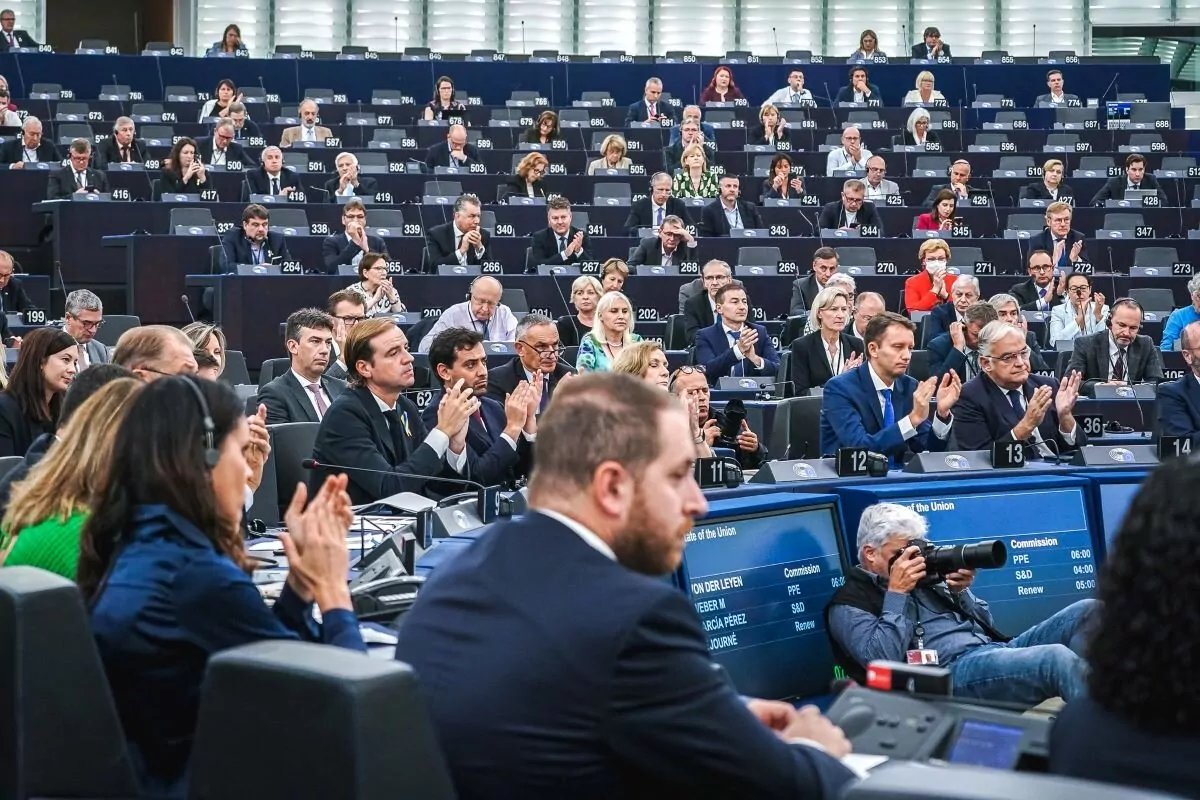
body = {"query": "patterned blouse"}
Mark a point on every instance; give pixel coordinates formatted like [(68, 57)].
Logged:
[(593, 355)]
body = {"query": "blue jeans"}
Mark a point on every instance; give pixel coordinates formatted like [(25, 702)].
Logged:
[(1043, 662)]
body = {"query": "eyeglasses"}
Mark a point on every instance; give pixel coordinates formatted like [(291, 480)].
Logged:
[(485, 303), (87, 326), (351, 320), (545, 350), (1080, 290), (1040, 267), (1008, 358), (698, 369)]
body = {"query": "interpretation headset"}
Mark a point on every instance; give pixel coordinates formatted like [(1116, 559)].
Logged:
[(1123, 302), (471, 288), (211, 454)]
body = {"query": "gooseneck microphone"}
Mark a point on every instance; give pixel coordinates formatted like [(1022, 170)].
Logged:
[(487, 498), (187, 304)]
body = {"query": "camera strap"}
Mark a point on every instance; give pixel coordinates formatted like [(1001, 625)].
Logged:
[(951, 603)]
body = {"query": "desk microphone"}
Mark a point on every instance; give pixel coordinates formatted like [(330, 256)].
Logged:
[(487, 498), (775, 36), (188, 306)]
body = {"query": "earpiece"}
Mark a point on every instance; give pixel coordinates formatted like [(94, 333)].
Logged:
[(471, 288), (211, 454)]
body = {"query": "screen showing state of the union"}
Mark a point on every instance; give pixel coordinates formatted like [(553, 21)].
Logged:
[(760, 583)]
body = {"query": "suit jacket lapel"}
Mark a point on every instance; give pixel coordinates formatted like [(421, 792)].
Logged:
[(864, 377), (1192, 393), (999, 400), (303, 397)]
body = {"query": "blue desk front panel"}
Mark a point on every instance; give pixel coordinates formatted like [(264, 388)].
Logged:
[(1112, 493)]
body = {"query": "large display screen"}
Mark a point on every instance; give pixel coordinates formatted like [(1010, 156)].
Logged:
[(760, 584)]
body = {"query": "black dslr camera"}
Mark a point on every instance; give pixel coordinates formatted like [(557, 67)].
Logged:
[(731, 423), (941, 561)]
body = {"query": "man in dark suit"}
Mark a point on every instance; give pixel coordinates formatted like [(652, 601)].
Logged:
[(1008, 403), (305, 392), (851, 212), (346, 309), (689, 133), (349, 246), (1179, 401), (253, 243), (733, 346), (348, 182), (729, 211), (83, 314), (963, 295), (501, 433), (1041, 292), (700, 310), (640, 708), (29, 148), (271, 178), (960, 184), (77, 177), (122, 147), (10, 37), (650, 108), (456, 151), (958, 348), (558, 243), (1008, 310), (879, 407), (650, 212), (1056, 96), (1135, 177), (804, 290), (933, 47), (373, 426), (1065, 244), (13, 299), (243, 126), (460, 241), (1117, 356), (665, 249), (220, 149), (538, 351)]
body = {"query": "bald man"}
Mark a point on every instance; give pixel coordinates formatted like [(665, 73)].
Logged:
[(455, 152), (1179, 401), (482, 312), (155, 351)]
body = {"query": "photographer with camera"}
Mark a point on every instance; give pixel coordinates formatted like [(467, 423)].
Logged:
[(910, 601), (718, 430)]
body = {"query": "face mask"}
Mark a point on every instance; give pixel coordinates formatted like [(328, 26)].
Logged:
[(933, 267)]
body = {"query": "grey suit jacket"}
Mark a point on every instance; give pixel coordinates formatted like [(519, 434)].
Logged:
[(97, 353), (888, 187), (1090, 357), (287, 401), (689, 290), (336, 370)]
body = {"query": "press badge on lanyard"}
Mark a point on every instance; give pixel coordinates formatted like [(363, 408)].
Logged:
[(920, 655)]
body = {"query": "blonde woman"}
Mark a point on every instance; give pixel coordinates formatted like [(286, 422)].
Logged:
[(645, 360), (47, 509), (209, 338), (612, 155), (585, 293), (613, 274), (612, 333), (772, 129), (527, 182), (925, 94), (694, 179), (1050, 188), (828, 351)]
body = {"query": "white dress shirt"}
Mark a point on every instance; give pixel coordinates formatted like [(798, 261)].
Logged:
[(837, 360), (754, 357), (914, 96), (439, 441), (839, 159), (940, 429), (786, 95), (304, 383), (502, 327), (460, 254)]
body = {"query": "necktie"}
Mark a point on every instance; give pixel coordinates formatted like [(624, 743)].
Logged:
[(972, 364), (79, 176), (562, 243), (83, 361), (125, 153), (11, 41), (1042, 298), (741, 365), (658, 218), (1014, 399), (478, 415), (889, 419), (1136, 186), (1118, 371), (795, 98), (484, 323), (653, 111), (274, 185), (310, 134), (318, 400), (397, 425)]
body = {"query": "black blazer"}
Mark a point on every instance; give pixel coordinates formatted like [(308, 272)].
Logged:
[(516, 185), (367, 187), (439, 241), (169, 183), (833, 215), (938, 321), (233, 152), (933, 193), (673, 156), (62, 183), (1090, 357), (439, 156), (13, 151), (650, 253), (930, 136), (17, 430), (810, 367), (713, 221), (540, 588), (108, 152), (258, 182), (984, 416), (640, 112), (1026, 293), (1114, 188), (570, 330), (355, 433), (641, 214), (493, 461), (758, 135), (1045, 241), (237, 248), (544, 248), (697, 314), (503, 380), (921, 51), (249, 128), (337, 250), (287, 401), (1038, 191), (22, 37), (13, 299), (804, 293)]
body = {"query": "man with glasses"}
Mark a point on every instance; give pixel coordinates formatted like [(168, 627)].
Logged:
[(455, 152), (82, 318), (538, 350), (690, 383), (963, 294), (10, 37), (700, 310), (1041, 292), (665, 249), (1009, 310), (220, 149), (1083, 313), (850, 156), (1065, 244), (1179, 401), (1118, 356), (482, 312), (852, 212), (347, 309), (77, 177), (1008, 403), (28, 148), (349, 247), (243, 126), (652, 211), (151, 352), (959, 348), (879, 187)]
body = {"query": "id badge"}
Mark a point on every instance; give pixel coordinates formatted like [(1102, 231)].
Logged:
[(923, 657)]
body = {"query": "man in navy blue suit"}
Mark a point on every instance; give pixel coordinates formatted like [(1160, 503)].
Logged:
[(733, 346), (879, 407), (253, 243), (1179, 401), (963, 295), (651, 108), (958, 349), (499, 436), (555, 660), (1008, 403), (728, 211)]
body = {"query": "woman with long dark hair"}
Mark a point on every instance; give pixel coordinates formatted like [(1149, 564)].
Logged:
[(29, 405), (163, 566), (183, 171), (1139, 724)]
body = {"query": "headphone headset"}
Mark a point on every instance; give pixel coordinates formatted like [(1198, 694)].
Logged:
[(211, 454), (471, 288), (1123, 302)]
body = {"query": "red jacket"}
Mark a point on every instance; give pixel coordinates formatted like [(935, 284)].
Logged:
[(918, 291), (925, 223)]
